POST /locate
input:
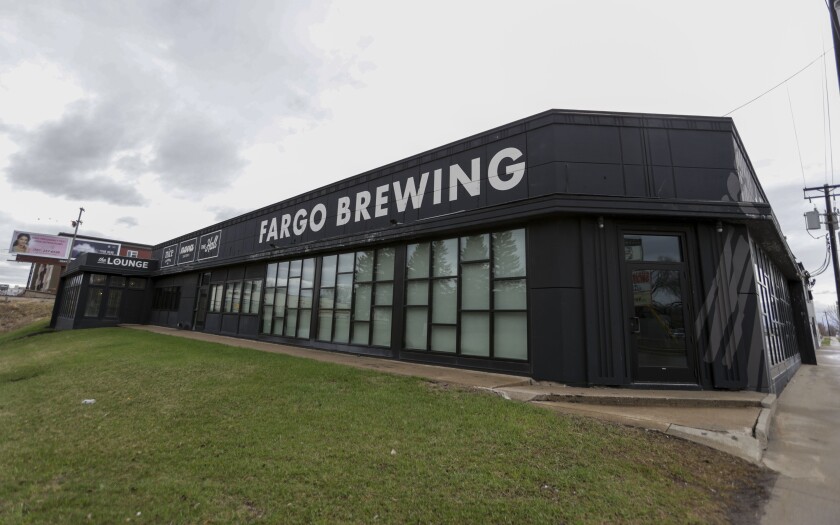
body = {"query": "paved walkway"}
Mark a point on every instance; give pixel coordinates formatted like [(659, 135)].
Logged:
[(804, 446)]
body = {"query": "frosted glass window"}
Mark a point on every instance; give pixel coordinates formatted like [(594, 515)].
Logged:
[(328, 267), (445, 258), (271, 275), (509, 253), (306, 298), (278, 326), (228, 298), (266, 321), (246, 297), (475, 248), (291, 322), (327, 298), (363, 295), (417, 260), (361, 333), (342, 327), (416, 328), (237, 297), (444, 301), (294, 292), (384, 294), (345, 262), (443, 338), (280, 300), (294, 268), (475, 286), (344, 291), (308, 273), (382, 326), (325, 325), (385, 264), (364, 266), (255, 297), (510, 335), (304, 321), (509, 295), (269, 296), (417, 293), (475, 333), (282, 273)]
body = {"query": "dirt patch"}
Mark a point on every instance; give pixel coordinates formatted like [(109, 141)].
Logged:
[(16, 312)]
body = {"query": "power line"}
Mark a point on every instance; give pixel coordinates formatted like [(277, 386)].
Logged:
[(796, 136), (811, 63)]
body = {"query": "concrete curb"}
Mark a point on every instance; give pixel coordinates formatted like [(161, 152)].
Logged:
[(762, 424), (736, 444)]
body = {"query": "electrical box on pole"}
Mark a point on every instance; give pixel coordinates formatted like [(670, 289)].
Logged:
[(812, 220)]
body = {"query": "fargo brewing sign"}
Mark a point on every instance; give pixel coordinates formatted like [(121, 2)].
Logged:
[(208, 245), (186, 251), (427, 189)]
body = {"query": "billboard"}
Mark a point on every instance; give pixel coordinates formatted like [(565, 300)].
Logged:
[(39, 245), (81, 246)]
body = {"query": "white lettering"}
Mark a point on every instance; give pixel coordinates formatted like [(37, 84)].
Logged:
[(411, 192), (381, 201), (516, 171), (299, 225), (316, 226), (272, 230), (285, 220), (438, 189), (342, 216), (471, 183), (362, 201), (263, 230)]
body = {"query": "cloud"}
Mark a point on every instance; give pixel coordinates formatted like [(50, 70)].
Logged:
[(127, 221), (223, 213), (171, 90)]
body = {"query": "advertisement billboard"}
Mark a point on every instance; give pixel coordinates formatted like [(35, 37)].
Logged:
[(81, 246), (39, 245)]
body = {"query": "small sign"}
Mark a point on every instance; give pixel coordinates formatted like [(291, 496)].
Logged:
[(169, 256), (642, 288), (186, 251), (208, 245)]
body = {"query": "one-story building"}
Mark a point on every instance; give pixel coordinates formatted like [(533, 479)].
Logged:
[(588, 248)]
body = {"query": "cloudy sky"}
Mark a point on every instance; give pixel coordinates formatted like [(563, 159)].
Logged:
[(163, 117)]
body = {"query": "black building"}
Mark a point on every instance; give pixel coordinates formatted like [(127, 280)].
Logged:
[(585, 248)]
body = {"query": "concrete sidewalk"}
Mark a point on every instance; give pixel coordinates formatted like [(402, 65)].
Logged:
[(734, 422), (804, 446)]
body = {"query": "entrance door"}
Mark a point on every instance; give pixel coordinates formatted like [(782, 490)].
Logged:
[(656, 285)]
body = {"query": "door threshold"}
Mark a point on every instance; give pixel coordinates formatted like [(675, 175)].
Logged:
[(642, 385)]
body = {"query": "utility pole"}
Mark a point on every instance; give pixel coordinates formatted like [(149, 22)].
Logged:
[(833, 11), (829, 221), (75, 223)]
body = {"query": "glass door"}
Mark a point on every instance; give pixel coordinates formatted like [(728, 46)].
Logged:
[(661, 341)]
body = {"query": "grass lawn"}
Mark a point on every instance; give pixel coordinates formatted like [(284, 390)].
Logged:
[(189, 432)]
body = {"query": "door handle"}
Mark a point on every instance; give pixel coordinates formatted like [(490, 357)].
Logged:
[(635, 326)]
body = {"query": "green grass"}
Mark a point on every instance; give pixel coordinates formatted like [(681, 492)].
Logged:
[(187, 432), (35, 328)]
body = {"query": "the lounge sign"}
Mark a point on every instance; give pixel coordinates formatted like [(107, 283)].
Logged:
[(504, 171), (123, 264), (208, 245), (186, 251)]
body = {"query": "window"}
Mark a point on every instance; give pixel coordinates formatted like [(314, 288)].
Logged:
[(251, 291), (70, 297), (233, 295), (216, 297), (112, 307), (467, 296), (137, 283), (117, 281), (776, 310), (94, 301), (356, 297), (167, 298), (97, 279), (287, 305), (132, 253)]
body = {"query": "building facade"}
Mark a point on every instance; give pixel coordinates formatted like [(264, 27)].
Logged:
[(586, 248)]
